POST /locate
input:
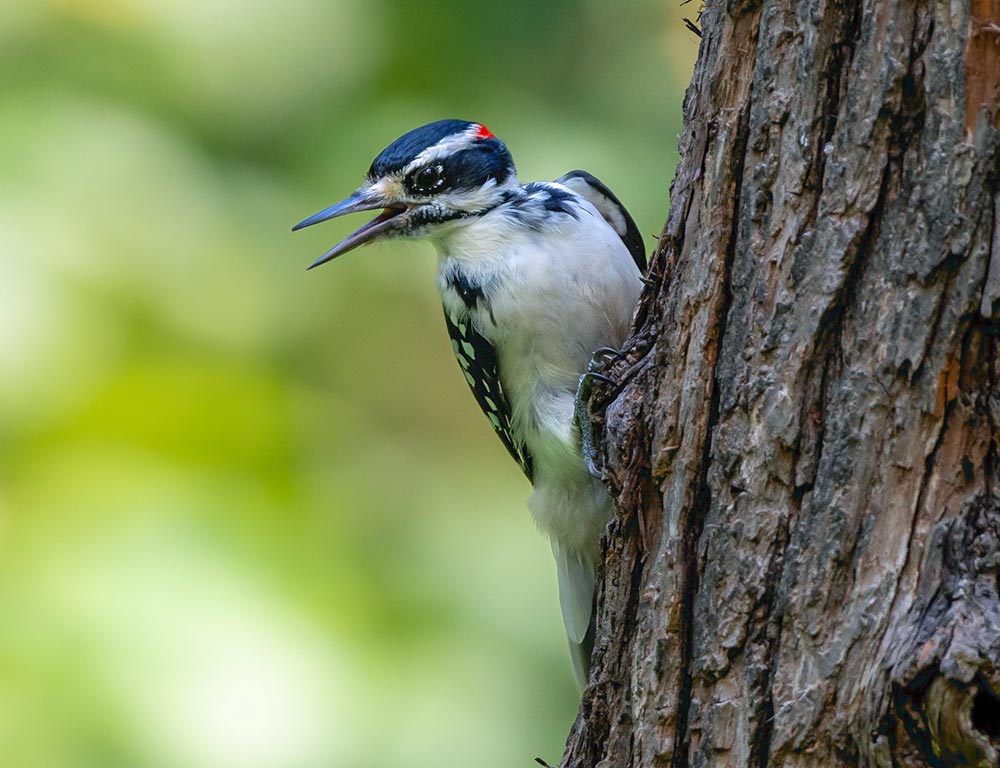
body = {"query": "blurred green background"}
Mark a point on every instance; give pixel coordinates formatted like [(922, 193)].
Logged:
[(250, 517)]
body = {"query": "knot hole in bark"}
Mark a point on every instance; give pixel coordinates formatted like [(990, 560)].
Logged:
[(986, 714), (951, 704)]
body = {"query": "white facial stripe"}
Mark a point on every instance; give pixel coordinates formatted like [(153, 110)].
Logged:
[(447, 146), (470, 199), (473, 200)]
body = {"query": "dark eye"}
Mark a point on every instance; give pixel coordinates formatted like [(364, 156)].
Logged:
[(429, 178)]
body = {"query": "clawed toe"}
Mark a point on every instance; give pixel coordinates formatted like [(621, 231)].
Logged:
[(604, 357), (591, 375), (600, 360)]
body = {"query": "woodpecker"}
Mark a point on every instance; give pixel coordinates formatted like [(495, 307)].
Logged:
[(534, 279)]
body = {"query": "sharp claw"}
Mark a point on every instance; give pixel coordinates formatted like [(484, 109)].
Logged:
[(592, 470), (596, 375), (611, 352), (603, 357)]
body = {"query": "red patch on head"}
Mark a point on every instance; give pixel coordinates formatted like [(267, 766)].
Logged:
[(484, 133)]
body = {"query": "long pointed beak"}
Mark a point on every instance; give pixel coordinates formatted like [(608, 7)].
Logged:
[(359, 201)]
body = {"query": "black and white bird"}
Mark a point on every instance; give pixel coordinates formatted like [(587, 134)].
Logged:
[(534, 279)]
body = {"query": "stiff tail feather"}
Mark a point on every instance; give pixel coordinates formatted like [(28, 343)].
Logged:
[(577, 575)]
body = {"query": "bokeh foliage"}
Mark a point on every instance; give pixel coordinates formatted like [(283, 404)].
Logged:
[(249, 516)]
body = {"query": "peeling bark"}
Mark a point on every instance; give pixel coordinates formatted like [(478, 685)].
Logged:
[(802, 441)]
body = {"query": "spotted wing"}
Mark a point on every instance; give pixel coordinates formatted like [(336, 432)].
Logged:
[(596, 192), (478, 360)]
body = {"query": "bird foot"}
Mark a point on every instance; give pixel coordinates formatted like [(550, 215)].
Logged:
[(601, 359)]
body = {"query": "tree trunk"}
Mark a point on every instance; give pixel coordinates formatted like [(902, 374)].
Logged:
[(803, 437)]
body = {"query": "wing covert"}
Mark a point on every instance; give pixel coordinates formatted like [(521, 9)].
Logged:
[(597, 193)]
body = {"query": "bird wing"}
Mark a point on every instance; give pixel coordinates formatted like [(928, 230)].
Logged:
[(596, 192), (478, 360)]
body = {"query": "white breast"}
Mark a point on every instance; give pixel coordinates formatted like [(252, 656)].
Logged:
[(553, 298)]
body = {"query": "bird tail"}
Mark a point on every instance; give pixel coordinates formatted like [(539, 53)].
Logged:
[(577, 576), (580, 653)]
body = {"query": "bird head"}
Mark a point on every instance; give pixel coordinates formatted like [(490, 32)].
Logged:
[(425, 181)]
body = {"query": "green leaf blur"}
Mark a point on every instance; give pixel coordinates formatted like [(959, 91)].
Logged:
[(249, 516)]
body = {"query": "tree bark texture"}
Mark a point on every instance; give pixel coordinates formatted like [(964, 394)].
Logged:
[(802, 438)]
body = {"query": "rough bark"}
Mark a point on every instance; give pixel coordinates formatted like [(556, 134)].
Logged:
[(803, 437)]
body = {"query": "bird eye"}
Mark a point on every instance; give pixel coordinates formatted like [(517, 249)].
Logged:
[(429, 178)]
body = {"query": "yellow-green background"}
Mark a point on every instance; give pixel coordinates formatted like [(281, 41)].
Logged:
[(250, 516)]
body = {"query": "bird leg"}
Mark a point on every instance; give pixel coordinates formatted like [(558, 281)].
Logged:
[(602, 358)]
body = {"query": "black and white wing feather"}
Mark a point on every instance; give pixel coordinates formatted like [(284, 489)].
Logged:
[(478, 360), (596, 192)]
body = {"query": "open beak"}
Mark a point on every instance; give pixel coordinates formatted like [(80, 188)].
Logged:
[(362, 200)]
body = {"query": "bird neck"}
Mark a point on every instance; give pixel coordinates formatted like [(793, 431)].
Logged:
[(480, 239)]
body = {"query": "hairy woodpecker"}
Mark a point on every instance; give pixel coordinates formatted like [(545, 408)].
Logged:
[(534, 279)]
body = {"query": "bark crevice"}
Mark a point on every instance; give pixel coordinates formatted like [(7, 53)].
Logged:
[(693, 526)]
